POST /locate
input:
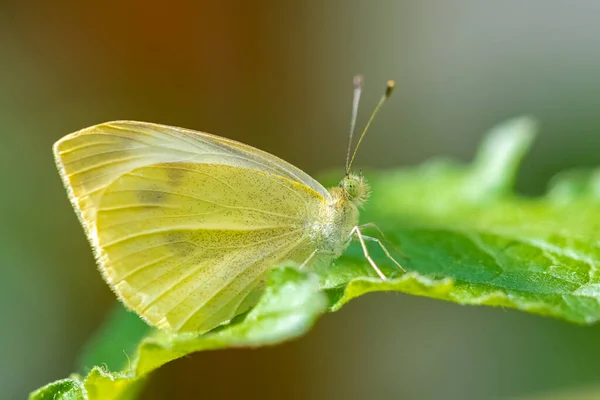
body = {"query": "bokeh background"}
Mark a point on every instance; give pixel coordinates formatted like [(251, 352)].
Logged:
[(277, 75)]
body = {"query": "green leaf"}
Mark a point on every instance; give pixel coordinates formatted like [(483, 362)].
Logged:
[(289, 307), (113, 343), (460, 231), (464, 224), (65, 389)]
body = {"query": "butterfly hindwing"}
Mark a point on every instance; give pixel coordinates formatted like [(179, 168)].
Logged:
[(185, 245)]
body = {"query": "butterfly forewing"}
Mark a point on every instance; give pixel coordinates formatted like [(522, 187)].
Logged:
[(94, 157), (185, 234)]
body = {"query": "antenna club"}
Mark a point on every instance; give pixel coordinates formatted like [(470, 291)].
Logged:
[(388, 92), (390, 88), (358, 81)]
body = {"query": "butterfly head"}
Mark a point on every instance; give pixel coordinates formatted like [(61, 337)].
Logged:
[(355, 188)]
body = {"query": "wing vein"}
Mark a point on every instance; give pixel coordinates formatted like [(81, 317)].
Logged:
[(159, 217), (258, 210), (143, 250), (89, 145), (137, 205), (142, 267), (187, 228), (193, 271), (230, 281), (105, 164)]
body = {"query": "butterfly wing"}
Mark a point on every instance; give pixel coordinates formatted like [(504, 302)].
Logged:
[(185, 243), (92, 158)]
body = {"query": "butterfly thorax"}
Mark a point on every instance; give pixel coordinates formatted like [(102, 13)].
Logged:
[(340, 214)]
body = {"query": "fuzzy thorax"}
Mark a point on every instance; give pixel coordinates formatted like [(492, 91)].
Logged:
[(330, 232)]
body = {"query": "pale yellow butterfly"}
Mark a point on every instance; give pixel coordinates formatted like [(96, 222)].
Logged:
[(185, 225)]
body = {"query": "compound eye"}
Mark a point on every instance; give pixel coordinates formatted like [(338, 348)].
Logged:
[(350, 187)]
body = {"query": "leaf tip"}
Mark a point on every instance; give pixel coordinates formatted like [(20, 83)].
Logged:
[(500, 154)]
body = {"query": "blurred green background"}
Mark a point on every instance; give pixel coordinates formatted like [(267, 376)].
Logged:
[(277, 75)]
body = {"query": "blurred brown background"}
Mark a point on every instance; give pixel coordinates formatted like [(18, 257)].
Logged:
[(277, 75)]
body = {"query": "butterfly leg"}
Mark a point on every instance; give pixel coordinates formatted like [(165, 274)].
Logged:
[(356, 230), (387, 253), (308, 259), (395, 249), (374, 226)]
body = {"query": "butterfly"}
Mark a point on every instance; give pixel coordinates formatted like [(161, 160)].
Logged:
[(185, 226)]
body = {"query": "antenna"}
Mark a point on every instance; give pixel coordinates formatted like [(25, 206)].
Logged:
[(358, 84), (388, 92)]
